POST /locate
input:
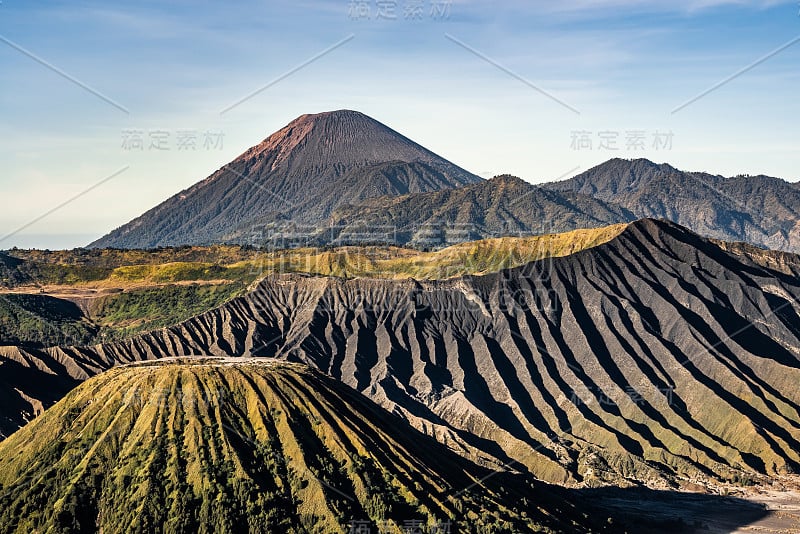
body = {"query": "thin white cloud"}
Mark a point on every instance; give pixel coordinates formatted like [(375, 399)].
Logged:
[(687, 6)]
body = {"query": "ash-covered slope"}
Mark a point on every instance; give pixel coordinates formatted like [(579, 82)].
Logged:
[(505, 205), (655, 356), (755, 209), (211, 445), (299, 173)]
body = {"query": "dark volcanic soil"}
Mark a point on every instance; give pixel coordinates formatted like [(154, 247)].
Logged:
[(656, 357)]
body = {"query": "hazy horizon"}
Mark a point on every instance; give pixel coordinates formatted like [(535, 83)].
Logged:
[(530, 89)]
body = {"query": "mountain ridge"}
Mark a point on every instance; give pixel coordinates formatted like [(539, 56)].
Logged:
[(301, 172), (623, 363), (342, 177), (501, 206), (759, 209)]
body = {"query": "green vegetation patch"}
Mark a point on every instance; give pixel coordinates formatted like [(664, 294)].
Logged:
[(39, 320), (156, 307), (215, 447)]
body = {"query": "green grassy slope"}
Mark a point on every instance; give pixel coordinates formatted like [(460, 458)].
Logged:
[(117, 268), (42, 320), (124, 292), (252, 446), (145, 309)]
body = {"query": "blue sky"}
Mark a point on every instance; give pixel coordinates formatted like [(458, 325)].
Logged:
[(492, 86)]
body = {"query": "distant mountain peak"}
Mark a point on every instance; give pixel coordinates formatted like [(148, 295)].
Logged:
[(301, 173), (637, 165), (335, 127), (507, 179), (755, 209)]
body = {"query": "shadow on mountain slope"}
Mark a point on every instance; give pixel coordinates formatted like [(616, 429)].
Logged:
[(646, 511)]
